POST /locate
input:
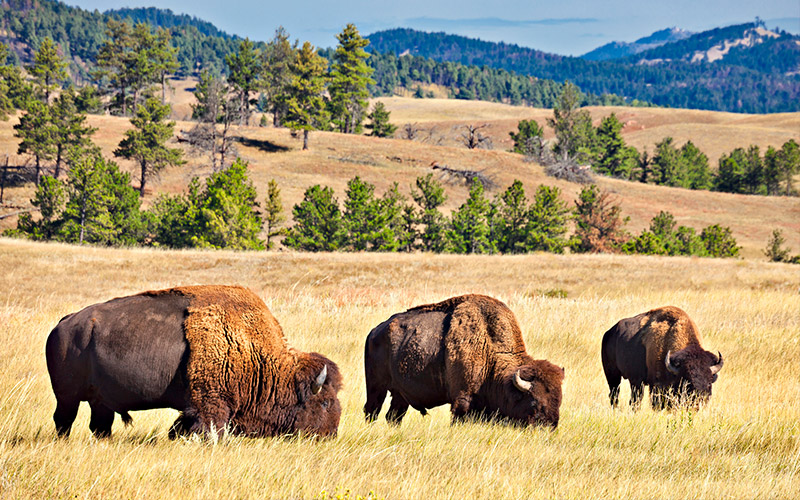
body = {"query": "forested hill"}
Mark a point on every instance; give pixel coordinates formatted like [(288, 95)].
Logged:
[(165, 18), (758, 75), (617, 50)]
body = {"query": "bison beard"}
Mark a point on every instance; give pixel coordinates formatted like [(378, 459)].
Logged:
[(466, 351), (215, 353), (660, 349)]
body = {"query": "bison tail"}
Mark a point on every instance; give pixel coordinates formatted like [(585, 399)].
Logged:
[(126, 418)]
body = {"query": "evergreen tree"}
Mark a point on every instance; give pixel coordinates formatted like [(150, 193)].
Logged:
[(775, 251), (112, 60), (317, 222), (599, 222), (513, 219), (789, 161), (572, 126), (719, 241), (548, 220), (305, 106), (772, 171), (614, 157), (226, 209), (273, 210), (68, 127), (697, 171), (102, 207), (395, 229), (349, 79), (730, 176), (469, 226), (528, 138), (164, 57), (6, 71), (754, 171), (49, 199), (146, 142), (48, 69), (360, 214), (429, 195), (279, 55), (668, 167), (379, 118), (35, 133), (244, 74)]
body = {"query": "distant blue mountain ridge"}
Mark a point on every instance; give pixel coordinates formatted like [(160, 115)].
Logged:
[(618, 50)]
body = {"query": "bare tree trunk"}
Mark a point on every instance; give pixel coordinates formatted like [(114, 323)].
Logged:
[(305, 139), (124, 101), (163, 88), (58, 161), (144, 178), (3, 180), (38, 169), (83, 215)]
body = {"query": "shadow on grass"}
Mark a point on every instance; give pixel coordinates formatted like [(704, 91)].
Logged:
[(261, 145)]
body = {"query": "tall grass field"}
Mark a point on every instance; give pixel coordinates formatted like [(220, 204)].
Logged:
[(744, 444)]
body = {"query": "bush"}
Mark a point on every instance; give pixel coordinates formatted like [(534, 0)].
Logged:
[(719, 241)]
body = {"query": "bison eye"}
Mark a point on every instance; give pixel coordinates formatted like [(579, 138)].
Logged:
[(325, 403), (714, 378)]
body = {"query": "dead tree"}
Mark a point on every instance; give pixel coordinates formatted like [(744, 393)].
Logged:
[(472, 137), (466, 176), (410, 131)]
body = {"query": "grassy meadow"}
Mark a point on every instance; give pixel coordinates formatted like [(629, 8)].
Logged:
[(744, 444)]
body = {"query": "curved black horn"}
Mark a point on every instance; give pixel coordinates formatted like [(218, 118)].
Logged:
[(320, 380), (672, 368), (718, 366)]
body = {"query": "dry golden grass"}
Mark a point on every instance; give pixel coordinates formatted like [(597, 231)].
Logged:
[(745, 444), (335, 158)]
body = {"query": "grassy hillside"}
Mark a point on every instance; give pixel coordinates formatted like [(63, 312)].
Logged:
[(744, 444), (335, 158)]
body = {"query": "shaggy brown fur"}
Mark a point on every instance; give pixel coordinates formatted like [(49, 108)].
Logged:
[(215, 353), (464, 351), (636, 349)]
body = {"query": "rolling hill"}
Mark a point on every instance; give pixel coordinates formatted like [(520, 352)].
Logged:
[(335, 158)]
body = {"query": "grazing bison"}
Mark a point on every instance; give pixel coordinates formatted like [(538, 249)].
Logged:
[(466, 351), (215, 353), (661, 349)]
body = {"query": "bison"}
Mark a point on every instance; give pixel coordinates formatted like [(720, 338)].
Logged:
[(660, 349), (466, 351), (214, 353)]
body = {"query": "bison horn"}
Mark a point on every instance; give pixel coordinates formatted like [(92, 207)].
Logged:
[(320, 380), (717, 367), (672, 368), (519, 383)]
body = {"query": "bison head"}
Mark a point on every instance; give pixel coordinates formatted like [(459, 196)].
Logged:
[(696, 369), (533, 393), (317, 382)]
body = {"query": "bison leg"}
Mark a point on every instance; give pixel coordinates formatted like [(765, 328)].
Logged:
[(375, 397), (461, 407), (637, 391), (101, 420), (64, 416), (182, 426), (397, 409), (614, 378)]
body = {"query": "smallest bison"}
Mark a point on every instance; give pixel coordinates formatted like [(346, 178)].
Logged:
[(660, 349), (466, 351)]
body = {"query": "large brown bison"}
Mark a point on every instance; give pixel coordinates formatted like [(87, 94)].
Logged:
[(660, 349), (466, 351), (215, 353)]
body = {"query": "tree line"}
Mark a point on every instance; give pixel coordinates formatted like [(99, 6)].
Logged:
[(743, 170)]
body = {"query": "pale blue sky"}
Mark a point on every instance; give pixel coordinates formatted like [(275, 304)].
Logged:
[(569, 27)]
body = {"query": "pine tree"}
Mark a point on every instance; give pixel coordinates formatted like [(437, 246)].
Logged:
[(305, 106), (48, 69), (719, 241), (244, 74), (35, 133), (730, 176), (49, 199), (68, 127), (112, 60), (469, 225), (394, 228), (789, 161), (279, 55), (317, 222), (668, 167), (513, 219), (430, 196), (614, 158), (575, 136), (146, 142), (528, 139), (349, 79), (697, 172), (599, 222), (379, 118), (165, 60), (548, 220), (6, 70), (360, 214), (754, 171), (273, 210)]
